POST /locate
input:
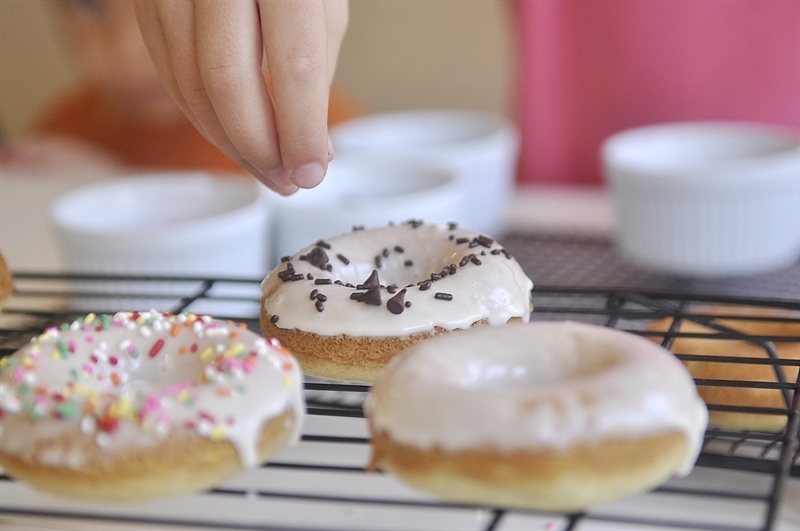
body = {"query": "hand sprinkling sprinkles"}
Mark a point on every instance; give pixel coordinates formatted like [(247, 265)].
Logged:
[(406, 279)]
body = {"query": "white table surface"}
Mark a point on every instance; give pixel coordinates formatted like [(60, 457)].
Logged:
[(28, 242)]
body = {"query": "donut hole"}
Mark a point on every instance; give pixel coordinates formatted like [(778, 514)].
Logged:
[(117, 374), (399, 269), (162, 376), (538, 364)]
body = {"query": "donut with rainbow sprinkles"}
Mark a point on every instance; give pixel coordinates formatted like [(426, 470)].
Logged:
[(135, 406)]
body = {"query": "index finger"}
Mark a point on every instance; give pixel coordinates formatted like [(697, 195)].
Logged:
[(296, 46)]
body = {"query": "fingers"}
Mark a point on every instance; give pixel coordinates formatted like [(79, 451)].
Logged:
[(229, 59), (210, 54), (296, 44), (170, 30)]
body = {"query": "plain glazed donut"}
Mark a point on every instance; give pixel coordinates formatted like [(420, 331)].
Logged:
[(347, 305), (549, 416), (136, 406), (763, 324)]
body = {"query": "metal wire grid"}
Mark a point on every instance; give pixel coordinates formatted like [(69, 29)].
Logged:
[(323, 482)]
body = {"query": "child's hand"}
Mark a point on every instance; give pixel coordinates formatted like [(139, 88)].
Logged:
[(210, 54)]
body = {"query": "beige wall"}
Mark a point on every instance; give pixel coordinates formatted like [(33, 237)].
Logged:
[(398, 54), (414, 53), (32, 65)]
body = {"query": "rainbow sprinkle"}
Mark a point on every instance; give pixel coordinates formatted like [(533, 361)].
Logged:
[(105, 379)]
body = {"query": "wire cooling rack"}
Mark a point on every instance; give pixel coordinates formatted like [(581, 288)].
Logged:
[(742, 481)]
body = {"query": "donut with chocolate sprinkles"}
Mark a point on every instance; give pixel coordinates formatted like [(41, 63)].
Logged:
[(388, 288)]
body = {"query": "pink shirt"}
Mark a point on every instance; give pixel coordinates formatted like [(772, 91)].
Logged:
[(590, 68)]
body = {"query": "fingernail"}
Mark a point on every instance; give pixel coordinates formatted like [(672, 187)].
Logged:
[(287, 190), (331, 152), (308, 175), (278, 177), (279, 181)]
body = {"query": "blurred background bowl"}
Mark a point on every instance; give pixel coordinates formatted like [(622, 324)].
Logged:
[(481, 148), (706, 198), (369, 191), (164, 224)]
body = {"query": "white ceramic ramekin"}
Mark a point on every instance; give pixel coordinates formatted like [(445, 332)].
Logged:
[(480, 147), (369, 191), (706, 198), (165, 224)]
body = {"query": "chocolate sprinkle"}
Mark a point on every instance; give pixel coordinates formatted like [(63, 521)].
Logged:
[(407, 304), (475, 260), (424, 285), (322, 281), (288, 274), (323, 244), (313, 294), (378, 261), (443, 296), (485, 240), (398, 249), (462, 240), (273, 319), (344, 260), (285, 258), (408, 263), (396, 304), (319, 306), (317, 257), (322, 297), (372, 296), (372, 280)]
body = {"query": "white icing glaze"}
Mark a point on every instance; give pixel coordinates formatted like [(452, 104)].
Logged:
[(492, 286), (541, 385), (130, 379)]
